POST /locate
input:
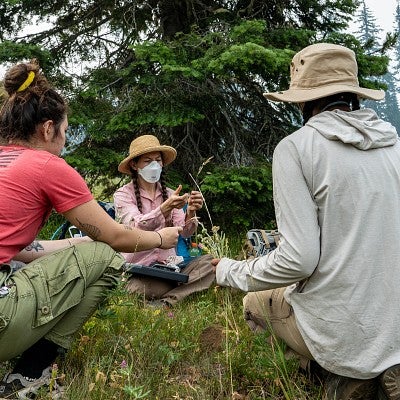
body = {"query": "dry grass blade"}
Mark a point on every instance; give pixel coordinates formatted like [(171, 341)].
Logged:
[(205, 203)]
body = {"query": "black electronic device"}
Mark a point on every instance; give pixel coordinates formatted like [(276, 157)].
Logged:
[(162, 271)]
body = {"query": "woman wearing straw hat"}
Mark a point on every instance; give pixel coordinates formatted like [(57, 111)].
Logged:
[(330, 290), (146, 203)]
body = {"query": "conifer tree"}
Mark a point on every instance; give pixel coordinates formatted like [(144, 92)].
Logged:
[(368, 29), (391, 78), (369, 34), (190, 71)]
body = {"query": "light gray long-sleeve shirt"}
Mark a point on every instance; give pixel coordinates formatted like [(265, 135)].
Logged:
[(337, 202)]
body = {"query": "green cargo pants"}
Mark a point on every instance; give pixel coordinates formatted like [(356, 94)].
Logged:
[(53, 296)]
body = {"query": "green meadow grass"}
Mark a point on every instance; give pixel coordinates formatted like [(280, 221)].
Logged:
[(201, 349)]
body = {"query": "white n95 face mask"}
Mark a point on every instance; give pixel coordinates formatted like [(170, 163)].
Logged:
[(151, 173)]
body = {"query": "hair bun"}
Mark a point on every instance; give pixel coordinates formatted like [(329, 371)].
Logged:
[(21, 76)]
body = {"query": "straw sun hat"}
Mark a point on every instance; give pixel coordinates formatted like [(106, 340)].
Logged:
[(146, 144), (321, 70)]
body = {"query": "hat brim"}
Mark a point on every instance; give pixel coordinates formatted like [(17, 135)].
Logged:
[(168, 152), (303, 95)]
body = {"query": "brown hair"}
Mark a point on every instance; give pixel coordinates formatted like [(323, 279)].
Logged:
[(23, 110)]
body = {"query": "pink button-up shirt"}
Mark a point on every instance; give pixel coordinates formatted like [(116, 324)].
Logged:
[(150, 219)]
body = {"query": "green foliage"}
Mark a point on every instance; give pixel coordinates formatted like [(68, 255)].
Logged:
[(51, 226), (250, 57), (191, 74), (299, 38), (146, 111), (12, 52), (96, 161), (373, 66), (252, 31), (239, 199)]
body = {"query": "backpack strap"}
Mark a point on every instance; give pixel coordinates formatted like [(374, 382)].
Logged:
[(275, 234), (265, 238)]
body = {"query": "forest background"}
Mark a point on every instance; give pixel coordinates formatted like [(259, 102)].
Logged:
[(191, 72)]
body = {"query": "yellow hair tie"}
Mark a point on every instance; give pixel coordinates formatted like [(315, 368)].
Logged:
[(27, 82)]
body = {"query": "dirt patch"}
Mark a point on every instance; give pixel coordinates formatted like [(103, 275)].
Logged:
[(212, 338)]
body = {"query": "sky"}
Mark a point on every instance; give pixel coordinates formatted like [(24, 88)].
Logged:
[(384, 11)]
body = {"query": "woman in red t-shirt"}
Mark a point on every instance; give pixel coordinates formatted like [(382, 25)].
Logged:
[(43, 304)]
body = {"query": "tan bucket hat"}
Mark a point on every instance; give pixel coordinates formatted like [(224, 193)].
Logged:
[(321, 70), (146, 144)]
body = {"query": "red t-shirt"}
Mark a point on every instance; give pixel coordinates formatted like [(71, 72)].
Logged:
[(32, 183)]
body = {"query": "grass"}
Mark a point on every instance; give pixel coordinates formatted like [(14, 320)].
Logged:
[(201, 349)]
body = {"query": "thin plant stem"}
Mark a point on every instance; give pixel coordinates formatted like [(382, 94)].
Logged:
[(205, 203)]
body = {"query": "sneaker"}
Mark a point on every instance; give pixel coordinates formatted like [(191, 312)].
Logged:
[(390, 382), (343, 388), (16, 386)]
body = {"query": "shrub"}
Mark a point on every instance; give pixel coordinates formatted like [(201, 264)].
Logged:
[(239, 198)]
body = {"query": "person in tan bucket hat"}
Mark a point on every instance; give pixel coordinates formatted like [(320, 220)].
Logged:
[(322, 70), (148, 204), (330, 288)]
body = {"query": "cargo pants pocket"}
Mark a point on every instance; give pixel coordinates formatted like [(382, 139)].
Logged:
[(279, 308), (57, 289)]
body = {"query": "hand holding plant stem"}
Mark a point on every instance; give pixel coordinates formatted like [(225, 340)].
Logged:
[(174, 201)]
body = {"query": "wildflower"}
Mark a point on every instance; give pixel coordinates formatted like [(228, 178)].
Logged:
[(203, 248)]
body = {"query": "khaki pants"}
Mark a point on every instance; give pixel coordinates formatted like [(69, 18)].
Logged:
[(201, 276), (55, 295), (268, 310)]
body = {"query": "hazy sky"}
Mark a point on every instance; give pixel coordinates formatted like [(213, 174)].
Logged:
[(383, 11)]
